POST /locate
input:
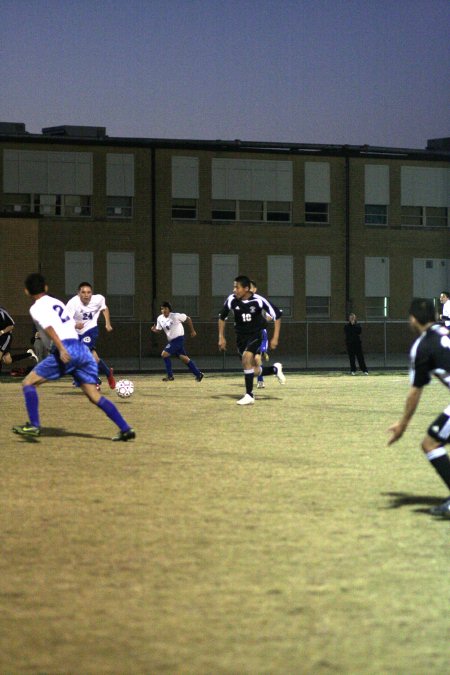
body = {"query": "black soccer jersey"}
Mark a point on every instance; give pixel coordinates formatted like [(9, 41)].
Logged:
[(5, 319), (249, 314), (430, 355)]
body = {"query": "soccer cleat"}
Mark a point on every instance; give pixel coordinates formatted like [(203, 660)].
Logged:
[(260, 385), (442, 510), (200, 377), (281, 377), (27, 429), (169, 378), (32, 354), (124, 435), (365, 372), (353, 373), (246, 400), (111, 380)]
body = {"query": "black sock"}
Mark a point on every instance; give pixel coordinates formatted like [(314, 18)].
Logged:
[(441, 465), (19, 357), (268, 370), (249, 382)]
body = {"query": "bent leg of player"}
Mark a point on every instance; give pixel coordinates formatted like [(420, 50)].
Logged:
[(33, 426), (433, 446), (126, 433)]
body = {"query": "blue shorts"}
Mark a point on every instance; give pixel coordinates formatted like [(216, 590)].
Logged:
[(82, 364), (176, 347), (90, 338)]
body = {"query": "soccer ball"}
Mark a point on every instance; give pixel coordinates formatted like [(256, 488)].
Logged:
[(124, 388)]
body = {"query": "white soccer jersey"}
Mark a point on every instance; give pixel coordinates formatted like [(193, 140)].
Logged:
[(172, 325), (50, 312), (88, 314), (446, 313)]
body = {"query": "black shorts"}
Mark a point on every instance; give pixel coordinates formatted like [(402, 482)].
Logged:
[(249, 343), (440, 429)]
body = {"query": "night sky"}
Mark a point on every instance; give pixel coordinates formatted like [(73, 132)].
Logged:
[(302, 71)]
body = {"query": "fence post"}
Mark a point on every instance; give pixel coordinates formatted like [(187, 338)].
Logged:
[(140, 345), (307, 345)]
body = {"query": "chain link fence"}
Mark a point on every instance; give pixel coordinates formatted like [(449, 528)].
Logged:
[(304, 345)]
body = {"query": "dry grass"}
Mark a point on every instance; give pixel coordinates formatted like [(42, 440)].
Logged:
[(279, 538)]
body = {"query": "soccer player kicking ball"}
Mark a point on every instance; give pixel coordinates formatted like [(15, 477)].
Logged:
[(69, 356), (430, 355)]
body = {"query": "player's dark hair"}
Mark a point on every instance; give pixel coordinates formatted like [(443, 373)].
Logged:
[(35, 283), (84, 283), (243, 281), (447, 293), (166, 304), (423, 310)]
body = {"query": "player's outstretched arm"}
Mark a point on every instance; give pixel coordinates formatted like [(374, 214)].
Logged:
[(398, 428), (191, 326), (63, 353), (107, 316), (276, 334), (222, 341)]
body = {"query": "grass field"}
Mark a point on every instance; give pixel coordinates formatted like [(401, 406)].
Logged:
[(284, 537)]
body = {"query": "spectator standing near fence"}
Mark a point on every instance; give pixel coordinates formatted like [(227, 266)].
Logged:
[(445, 300), (353, 343), (429, 355)]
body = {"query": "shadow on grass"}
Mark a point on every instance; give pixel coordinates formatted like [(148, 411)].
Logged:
[(399, 499), (57, 432)]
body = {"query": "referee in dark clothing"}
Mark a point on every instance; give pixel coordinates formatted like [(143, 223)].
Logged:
[(353, 343)]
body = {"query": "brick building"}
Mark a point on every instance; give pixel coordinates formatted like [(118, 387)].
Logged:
[(322, 228)]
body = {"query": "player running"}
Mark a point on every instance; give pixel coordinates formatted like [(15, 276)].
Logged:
[(430, 355), (85, 309), (172, 324), (249, 323), (69, 355)]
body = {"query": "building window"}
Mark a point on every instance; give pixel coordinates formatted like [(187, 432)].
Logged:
[(186, 304), (79, 266), (244, 210), (429, 216), (119, 207), (316, 212), (377, 308), (223, 209), (184, 209), (317, 307), (251, 210), (64, 206), (278, 212), (186, 282), (412, 215), (436, 216), (283, 302), (120, 283), (17, 203), (375, 214), (280, 282)]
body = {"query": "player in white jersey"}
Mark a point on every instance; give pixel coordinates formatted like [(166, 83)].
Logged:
[(172, 324), (69, 355), (85, 307), (445, 300)]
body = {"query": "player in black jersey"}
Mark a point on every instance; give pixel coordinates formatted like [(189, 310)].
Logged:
[(7, 326), (430, 355), (249, 324)]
